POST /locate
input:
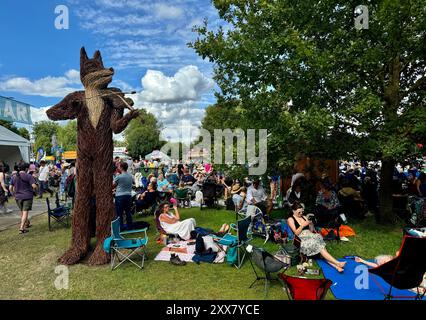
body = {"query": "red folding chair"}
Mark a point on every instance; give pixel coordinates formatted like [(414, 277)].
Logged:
[(305, 289), (406, 270)]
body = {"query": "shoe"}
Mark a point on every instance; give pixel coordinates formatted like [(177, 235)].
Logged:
[(174, 259), (344, 239), (22, 231)]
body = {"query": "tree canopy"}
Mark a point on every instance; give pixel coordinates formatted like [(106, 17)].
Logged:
[(318, 84), (67, 136), (43, 132), (143, 134)]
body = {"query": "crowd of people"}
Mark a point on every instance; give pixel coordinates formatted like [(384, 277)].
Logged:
[(149, 183), (144, 184), (26, 181)]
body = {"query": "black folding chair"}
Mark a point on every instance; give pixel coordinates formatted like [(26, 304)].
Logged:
[(268, 264), (209, 195), (405, 271), (60, 215)]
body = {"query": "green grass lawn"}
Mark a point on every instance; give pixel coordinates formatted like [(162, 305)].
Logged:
[(27, 265)]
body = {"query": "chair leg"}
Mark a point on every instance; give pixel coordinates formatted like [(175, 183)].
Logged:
[(112, 259)]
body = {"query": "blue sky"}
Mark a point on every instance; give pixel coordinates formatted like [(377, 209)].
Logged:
[(145, 42)]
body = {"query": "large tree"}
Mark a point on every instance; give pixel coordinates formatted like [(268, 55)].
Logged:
[(43, 132), (320, 85), (67, 136), (143, 134)]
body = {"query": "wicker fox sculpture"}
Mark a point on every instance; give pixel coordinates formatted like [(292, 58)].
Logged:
[(99, 111)]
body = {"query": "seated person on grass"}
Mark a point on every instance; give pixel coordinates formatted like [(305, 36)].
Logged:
[(327, 205), (312, 243), (146, 199), (163, 185), (172, 224)]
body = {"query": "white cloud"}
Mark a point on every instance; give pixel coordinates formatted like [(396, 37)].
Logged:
[(39, 114), (146, 34), (188, 84), (165, 11), (46, 87), (174, 101)]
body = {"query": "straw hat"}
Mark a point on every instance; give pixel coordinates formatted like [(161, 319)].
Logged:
[(236, 188)]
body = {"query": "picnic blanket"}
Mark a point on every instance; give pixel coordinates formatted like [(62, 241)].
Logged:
[(182, 249), (351, 285)]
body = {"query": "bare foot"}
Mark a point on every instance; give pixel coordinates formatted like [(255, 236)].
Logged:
[(73, 256), (98, 257)]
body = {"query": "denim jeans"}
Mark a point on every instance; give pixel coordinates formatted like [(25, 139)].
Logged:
[(123, 205)]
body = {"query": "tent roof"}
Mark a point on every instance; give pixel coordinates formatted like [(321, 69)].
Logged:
[(157, 154), (10, 138)]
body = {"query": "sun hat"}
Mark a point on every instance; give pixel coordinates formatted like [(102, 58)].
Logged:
[(236, 188)]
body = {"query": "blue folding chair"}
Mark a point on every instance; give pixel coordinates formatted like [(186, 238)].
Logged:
[(240, 240), (116, 245), (60, 215)]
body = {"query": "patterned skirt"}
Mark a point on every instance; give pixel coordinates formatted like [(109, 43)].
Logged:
[(311, 243)]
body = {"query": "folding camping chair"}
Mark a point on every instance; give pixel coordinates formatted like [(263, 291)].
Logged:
[(116, 245), (267, 263), (182, 195), (209, 195), (162, 232), (243, 237), (406, 270), (60, 215), (305, 289), (259, 226)]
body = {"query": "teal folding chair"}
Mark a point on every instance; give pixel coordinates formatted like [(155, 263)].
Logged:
[(122, 249), (240, 240)]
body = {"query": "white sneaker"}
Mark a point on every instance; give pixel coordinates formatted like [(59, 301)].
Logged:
[(344, 239), (9, 211)]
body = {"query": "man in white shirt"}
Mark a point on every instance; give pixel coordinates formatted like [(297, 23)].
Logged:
[(256, 195), (43, 179)]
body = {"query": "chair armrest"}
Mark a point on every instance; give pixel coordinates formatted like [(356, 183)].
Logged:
[(134, 231)]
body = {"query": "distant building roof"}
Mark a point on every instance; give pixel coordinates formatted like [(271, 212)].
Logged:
[(10, 138)]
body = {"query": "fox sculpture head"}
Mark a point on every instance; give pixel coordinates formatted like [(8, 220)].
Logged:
[(93, 74)]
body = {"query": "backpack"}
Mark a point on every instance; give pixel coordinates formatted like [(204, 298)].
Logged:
[(291, 251), (70, 186), (199, 244)]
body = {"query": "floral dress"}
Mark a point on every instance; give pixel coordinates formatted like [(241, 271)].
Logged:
[(311, 243)]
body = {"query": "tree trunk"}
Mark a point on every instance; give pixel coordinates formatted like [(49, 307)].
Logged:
[(386, 214)]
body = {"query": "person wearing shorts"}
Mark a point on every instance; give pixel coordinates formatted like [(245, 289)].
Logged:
[(23, 186)]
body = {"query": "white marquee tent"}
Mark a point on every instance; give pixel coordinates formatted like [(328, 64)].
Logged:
[(13, 147)]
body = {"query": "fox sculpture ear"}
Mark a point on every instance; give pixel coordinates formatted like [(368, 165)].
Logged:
[(97, 56), (83, 55)]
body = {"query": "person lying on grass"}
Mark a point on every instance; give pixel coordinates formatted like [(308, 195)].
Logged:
[(312, 243), (379, 260), (382, 259)]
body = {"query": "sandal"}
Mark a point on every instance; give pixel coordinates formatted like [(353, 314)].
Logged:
[(22, 231)]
